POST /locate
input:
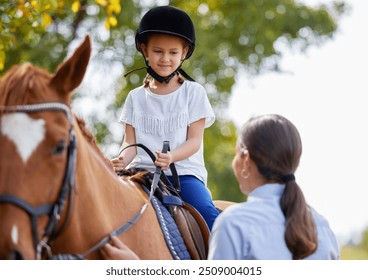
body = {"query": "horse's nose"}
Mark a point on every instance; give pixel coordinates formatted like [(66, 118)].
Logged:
[(15, 255)]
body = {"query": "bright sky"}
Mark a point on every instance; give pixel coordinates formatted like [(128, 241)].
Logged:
[(323, 97)]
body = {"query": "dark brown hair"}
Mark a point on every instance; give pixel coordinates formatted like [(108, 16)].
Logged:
[(274, 145)]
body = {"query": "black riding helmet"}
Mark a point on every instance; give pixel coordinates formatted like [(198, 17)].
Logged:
[(166, 20)]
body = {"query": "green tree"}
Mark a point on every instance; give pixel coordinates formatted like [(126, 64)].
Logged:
[(39, 30), (232, 35)]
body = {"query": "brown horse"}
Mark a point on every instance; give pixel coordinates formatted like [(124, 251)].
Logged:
[(58, 193)]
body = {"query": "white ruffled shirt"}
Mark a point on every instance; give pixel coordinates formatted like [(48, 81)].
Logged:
[(157, 118)]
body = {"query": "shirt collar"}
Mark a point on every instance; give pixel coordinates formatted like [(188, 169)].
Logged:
[(267, 190)]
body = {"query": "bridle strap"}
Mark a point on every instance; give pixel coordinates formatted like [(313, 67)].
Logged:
[(54, 211), (66, 191), (33, 212), (39, 107)]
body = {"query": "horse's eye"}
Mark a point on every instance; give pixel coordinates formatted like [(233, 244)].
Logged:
[(60, 147)]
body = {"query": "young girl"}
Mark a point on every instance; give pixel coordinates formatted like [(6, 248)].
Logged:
[(168, 108)]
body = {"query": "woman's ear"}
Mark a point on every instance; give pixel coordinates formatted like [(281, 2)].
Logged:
[(246, 159)]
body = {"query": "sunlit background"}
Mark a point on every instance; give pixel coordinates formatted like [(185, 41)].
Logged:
[(324, 93)]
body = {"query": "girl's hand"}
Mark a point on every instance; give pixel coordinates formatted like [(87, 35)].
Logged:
[(163, 160), (118, 163)]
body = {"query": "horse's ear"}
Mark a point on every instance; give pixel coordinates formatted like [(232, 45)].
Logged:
[(70, 73)]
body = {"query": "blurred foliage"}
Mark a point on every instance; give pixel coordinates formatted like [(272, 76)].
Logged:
[(219, 143), (352, 252), (364, 242), (358, 251), (39, 31), (231, 35)]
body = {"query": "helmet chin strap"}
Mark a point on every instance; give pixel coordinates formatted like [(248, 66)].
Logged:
[(160, 78), (167, 79)]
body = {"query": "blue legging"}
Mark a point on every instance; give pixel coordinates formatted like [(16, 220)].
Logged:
[(194, 192)]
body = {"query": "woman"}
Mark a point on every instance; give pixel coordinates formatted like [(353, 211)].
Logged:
[(275, 222)]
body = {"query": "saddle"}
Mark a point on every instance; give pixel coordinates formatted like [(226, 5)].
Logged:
[(190, 223)]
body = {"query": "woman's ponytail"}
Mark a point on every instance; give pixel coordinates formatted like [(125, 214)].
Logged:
[(300, 232)]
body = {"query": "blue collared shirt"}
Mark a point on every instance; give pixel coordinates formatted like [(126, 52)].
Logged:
[(254, 230)]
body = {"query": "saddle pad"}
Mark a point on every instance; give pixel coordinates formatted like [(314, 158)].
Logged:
[(172, 235)]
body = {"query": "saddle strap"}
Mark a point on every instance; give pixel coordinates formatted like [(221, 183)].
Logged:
[(194, 230)]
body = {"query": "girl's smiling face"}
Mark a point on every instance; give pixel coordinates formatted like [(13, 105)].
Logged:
[(165, 53)]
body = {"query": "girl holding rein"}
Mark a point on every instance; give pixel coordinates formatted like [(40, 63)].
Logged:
[(168, 108)]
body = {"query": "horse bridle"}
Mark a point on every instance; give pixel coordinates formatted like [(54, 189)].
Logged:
[(52, 210)]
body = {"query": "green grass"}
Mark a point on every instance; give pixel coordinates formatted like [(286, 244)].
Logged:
[(350, 252)]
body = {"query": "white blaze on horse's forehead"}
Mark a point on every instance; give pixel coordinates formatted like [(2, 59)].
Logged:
[(25, 132), (14, 234)]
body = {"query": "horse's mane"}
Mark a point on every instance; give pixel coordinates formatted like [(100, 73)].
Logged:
[(137, 176), (22, 82), (87, 134), (134, 175)]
